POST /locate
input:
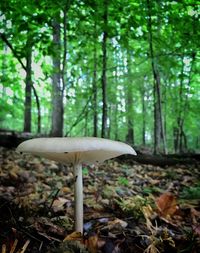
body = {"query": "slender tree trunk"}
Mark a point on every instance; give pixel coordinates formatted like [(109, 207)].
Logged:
[(129, 103), (57, 91), (181, 139), (158, 120), (143, 114), (143, 123), (28, 88), (179, 119), (86, 132), (28, 80), (94, 86), (104, 67), (115, 103), (38, 109), (115, 109), (3, 66)]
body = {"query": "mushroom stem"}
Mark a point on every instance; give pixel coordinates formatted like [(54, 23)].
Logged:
[(78, 197)]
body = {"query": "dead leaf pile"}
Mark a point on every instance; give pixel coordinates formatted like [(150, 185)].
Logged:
[(127, 208)]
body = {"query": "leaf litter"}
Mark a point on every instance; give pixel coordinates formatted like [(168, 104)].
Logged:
[(127, 207)]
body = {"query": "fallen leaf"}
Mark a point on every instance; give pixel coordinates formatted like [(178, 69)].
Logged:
[(116, 222), (92, 243), (166, 204), (74, 236), (195, 215), (58, 204), (197, 230), (147, 211)]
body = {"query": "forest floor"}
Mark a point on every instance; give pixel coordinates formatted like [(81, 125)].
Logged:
[(128, 207)]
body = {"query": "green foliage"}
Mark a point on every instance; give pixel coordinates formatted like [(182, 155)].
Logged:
[(192, 192), (85, 171), (123, 181), (29, 24), (171, 174), (134, 205), (151, 190)]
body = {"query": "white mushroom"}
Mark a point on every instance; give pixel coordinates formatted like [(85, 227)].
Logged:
[(76, 151)]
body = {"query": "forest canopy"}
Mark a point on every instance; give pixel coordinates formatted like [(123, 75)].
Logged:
[(125, 70)]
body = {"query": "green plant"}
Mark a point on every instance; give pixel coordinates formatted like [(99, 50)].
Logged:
[(123, 181), (151, 189), (192, 192), (171, 174), (85, 171), (133, 205)]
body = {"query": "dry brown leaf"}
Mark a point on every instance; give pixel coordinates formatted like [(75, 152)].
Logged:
[(116, 222), (92, 243), (58, 204), (74, 236), (195, 215), (197, 230), (166, 204), (66, 190), (147, 211)]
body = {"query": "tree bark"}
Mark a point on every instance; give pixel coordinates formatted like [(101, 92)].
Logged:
[(28, 88), (57, 91), (129, 103), (38, 109), (159, 133), (104, 68), (143, 93), (180, 142), (94, 86)]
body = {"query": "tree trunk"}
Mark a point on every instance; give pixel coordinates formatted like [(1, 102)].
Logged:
[(28, 80), (57, 91), (114, 105), (181, 139), (104, 67), (28, 88), (143, 113), (94, 86), (38, 109), (116, 133), (129, 103), (159, 133)]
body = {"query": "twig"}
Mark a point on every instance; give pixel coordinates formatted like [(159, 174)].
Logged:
[(54, 197), (22, 250), (3, 248), (14, 246), (80, 117)]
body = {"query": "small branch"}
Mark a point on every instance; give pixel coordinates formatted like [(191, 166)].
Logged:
[(54, 197), (3, 37), (80, 117), (65, 49)]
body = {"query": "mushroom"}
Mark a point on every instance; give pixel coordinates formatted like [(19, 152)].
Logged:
[(76, 151)]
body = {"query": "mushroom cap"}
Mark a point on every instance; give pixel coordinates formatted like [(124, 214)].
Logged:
[(88, 150)]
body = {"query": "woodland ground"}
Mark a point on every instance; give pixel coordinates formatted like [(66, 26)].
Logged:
[(128, 207)]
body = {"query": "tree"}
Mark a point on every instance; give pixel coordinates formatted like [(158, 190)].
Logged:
[(129, 102), (159, 133), (111, 65), (94, 82), (57, 94), (104, 70), (28, 88)]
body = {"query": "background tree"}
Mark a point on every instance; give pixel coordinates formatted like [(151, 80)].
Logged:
[(70, 52)]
